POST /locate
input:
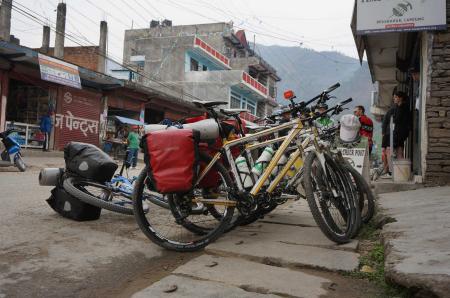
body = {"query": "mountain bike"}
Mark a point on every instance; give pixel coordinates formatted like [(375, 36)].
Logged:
[(170, 231)]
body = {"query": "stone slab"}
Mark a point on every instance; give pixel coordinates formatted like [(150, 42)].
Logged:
[(284, 253), (289, 234), (419, 241), (291, 213), (255, 277), (187, 287)]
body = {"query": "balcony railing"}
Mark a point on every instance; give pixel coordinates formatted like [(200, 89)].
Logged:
[(212, 53), (249, 81)]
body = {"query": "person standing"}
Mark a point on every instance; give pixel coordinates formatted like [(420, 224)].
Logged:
[(386, 141), (133, 146), (366, 129), (402, 122), (45, 127)]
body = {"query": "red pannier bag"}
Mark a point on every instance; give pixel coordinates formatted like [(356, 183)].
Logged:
[(172, 158)]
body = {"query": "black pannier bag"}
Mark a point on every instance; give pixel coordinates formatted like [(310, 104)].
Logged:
[(70, 207), (88, 161)]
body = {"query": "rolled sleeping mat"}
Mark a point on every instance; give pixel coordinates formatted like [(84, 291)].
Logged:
[(50, 176), (208, 128)]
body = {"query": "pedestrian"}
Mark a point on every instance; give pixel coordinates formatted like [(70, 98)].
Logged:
[(324, 121), (366, 129), (133, 146), (402, 122), (385, 141), (45, 127)]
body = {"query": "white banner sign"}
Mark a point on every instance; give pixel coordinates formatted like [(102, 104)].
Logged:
[(374, 16), (58, 71)]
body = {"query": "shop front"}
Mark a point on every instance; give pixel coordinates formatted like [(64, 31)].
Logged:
[(403, 52), (28, 101), (77, 117)]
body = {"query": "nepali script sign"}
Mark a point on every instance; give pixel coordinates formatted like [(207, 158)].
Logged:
[(375, 16), (69, 121), (58, 71)]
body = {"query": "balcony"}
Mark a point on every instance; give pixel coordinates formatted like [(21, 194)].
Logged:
[(237, 78), (205, 50)]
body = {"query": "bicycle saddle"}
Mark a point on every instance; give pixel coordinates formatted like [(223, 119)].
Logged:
[(209, 104), (233, 112)]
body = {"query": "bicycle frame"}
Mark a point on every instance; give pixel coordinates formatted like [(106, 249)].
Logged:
[(296, 126)]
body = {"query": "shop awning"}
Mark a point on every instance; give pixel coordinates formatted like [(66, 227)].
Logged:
[(13, 53), (129, 121)]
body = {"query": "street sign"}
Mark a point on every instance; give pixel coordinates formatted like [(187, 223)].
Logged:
[(58, 71), (375, 16)]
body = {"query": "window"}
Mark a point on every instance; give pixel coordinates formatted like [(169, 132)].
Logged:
[(239, 102), (194, 65), (235, 101), (205, 68)]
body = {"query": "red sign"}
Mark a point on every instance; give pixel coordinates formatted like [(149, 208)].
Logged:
[(78, 118), (211, 51), (248, 80)]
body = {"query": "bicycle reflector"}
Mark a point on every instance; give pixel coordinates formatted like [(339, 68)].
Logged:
[(289, 94)]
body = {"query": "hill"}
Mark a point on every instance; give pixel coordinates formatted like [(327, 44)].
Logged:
[(307, 72)]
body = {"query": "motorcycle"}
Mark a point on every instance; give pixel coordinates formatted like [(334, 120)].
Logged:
[(11, 155)]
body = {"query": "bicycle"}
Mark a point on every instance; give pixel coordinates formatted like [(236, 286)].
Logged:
[(233, 194)]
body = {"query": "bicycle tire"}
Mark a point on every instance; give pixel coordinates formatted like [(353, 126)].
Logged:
[(70, 183), (171, 244), (366, 197), (352, 193), (323, 222)]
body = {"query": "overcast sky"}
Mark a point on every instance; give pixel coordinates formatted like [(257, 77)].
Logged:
[(322, 25)]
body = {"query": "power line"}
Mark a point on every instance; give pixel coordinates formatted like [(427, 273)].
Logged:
[(135, 11), (263, 34), (143, 74)]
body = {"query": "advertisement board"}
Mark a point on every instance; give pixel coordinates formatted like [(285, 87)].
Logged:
[(376, 16), (57, 71)]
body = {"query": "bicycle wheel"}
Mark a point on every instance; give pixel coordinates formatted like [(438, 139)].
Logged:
[(332, 208), (98, 195), (365, 194), (178, 228)]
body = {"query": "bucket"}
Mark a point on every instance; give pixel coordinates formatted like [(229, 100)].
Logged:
[(401, 170)]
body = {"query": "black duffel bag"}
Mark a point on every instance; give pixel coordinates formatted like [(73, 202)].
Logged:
[(88, 161), (71, 207)]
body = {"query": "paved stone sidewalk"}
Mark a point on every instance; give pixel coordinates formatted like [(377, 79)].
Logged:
[(418, 243), (263, 259)]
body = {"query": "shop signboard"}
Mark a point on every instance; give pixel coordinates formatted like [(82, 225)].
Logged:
[(375, 16), (58, 71)]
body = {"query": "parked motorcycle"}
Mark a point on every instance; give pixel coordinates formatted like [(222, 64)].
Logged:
[(11, 156)]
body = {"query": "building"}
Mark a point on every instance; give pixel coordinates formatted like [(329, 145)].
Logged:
[(81, 106), (407, 45), (204, 61)]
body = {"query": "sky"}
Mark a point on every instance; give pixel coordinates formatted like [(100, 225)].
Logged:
[(323, 25)]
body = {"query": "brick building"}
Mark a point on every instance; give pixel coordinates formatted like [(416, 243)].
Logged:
[(408, 48), (85, 56)]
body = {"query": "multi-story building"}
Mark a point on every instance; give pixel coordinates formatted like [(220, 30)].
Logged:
[(207, 61)]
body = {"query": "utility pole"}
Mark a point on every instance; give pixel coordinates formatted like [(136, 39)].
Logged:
[(45, 39), (103, 43), (5, 19), (60, 30)]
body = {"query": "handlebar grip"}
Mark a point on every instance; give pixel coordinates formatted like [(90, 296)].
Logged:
[(332, 88), (346, 101)]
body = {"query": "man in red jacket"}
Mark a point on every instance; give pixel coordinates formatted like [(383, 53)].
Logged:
[(366, 129)]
